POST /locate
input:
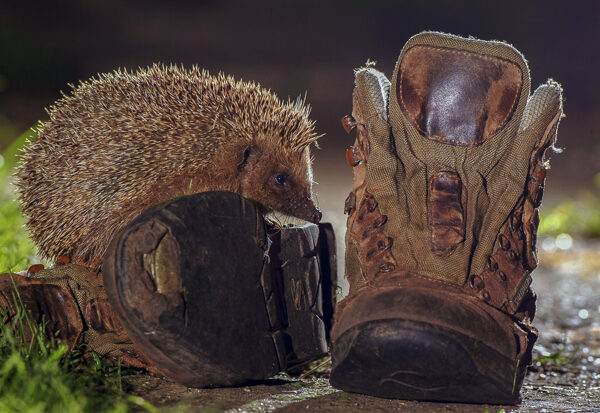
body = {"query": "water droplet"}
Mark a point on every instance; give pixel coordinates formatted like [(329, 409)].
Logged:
[(564, 241), (583, 314), (548, 244)]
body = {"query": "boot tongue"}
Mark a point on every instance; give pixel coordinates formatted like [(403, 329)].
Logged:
[(455, 96)]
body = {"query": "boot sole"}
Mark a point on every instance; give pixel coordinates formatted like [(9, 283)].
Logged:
[(410, 360), (194, 285), (303, 262)]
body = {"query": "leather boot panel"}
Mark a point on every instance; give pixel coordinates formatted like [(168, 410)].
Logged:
[(368, 247), (506, 279), (535, 190), (100, 316), (445, 213), (457, 97), (373, 245), (52, 303), (418, 298)]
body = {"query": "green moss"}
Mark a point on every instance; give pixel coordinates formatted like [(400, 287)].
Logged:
[(16, 250), (38, 374), (577, 217)]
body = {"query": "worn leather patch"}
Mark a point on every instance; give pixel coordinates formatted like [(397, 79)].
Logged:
[(506, 279), (445, 213), (457, 97), (100, 316)]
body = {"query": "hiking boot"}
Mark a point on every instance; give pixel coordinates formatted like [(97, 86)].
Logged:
[(448, 176), (201, 289), (214, 296)]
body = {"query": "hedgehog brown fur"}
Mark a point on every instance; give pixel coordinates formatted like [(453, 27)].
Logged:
[(122, 142)]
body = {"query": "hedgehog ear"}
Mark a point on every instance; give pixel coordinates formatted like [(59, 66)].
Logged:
[(248, 151)]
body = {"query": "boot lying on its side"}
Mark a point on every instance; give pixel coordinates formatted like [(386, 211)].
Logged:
[(448, 175), (200, 289)]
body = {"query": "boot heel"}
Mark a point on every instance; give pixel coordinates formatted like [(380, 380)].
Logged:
[(187, 280), (303, 263)]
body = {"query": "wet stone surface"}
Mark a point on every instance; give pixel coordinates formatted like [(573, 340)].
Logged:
[(565, 376)]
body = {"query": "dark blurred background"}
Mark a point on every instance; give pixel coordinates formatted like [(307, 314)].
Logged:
[(294, 48)]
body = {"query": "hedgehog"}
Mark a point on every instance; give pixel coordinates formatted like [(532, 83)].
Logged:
[(122, 142)]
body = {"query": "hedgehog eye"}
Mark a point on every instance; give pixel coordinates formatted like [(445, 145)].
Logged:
[(280, 179)]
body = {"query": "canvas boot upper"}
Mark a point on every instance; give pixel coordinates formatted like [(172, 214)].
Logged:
[(449, 167)]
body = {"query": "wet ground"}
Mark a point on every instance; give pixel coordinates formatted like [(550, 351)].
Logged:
[(564, 378)]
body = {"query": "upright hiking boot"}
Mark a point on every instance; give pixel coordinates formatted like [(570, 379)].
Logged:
[(214, 296), (201, 289), (449, 171)]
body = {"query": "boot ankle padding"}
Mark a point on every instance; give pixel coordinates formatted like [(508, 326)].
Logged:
[(545, 96), (378, 87), (493, 173)]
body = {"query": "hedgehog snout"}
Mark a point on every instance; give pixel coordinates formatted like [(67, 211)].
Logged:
[(307, 210), (316, 216)]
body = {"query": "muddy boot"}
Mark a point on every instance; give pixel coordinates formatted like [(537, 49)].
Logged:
[(448, 175), (212, 298), (71, 302)]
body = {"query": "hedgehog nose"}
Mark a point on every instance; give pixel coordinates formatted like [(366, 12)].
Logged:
[(316, 216)]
